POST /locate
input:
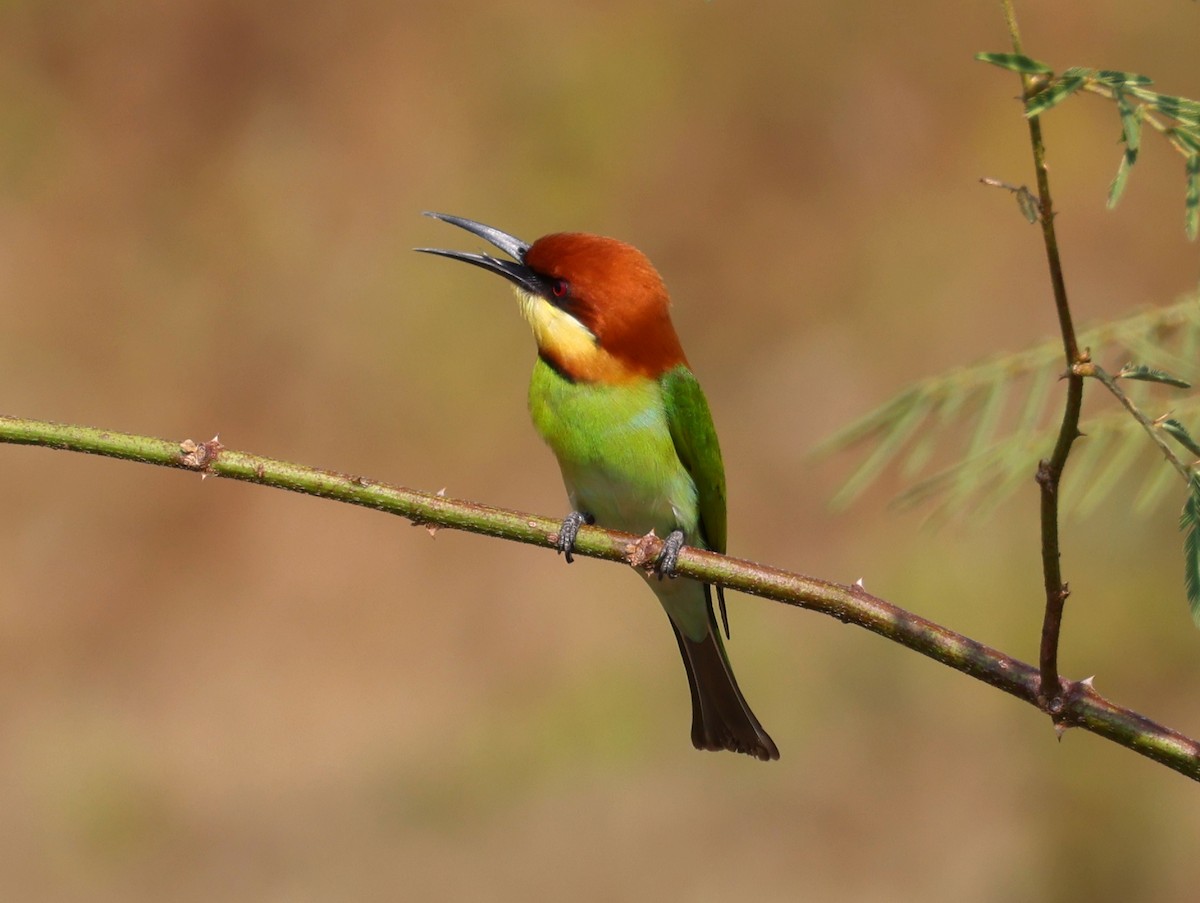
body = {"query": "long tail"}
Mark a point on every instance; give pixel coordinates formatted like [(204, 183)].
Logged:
[(721, 718)]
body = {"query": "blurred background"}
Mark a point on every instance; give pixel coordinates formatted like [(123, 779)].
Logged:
[(211, 690)]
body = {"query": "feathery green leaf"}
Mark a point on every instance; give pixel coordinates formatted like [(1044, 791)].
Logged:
[(986, 447), (1189, 523), (1131, 123), (1159, 480), (1186, 140), (1179, 433), (1118, 79), (1016, 62), (1149, 374), (1053, 95), (899, 433), (1180, 108), (1117, 187), (1135, 102), (1108, 474), (1034, 408), (1086, 457), (1191, 200), (1131, 129)]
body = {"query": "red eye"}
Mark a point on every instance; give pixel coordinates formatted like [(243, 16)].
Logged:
[(560, 288)]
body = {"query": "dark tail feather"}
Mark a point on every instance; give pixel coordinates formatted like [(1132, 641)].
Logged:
[(721, 719)]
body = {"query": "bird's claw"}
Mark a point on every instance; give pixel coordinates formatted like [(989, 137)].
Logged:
[(669, 557), (568, 532)]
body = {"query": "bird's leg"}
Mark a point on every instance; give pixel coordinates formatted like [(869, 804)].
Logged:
[(669, 556), (569, 530)]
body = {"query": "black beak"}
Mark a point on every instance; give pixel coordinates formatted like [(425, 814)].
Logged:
[(514, 271)]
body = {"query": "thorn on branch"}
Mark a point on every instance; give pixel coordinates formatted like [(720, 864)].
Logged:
[(430, 527), (1072, 694), (200, 457)]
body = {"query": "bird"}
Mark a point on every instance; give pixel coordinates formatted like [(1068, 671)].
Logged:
[(614, 397)]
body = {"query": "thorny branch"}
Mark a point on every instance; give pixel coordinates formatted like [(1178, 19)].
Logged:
[(1049, 474), (1078, 705)]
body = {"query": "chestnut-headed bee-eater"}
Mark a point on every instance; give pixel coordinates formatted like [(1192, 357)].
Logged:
[(613, 396)]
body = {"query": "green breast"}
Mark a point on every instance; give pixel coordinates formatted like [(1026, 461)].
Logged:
[(614, 447)]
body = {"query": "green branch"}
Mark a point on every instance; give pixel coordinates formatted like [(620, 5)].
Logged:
[(1079, 705)]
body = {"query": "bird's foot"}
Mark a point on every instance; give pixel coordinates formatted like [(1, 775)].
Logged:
[(669, 557), (569, 531)]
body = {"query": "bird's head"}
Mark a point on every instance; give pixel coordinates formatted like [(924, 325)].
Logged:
[(597, 307)]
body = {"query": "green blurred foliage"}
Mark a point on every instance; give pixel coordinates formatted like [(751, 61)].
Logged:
[(210, 691)]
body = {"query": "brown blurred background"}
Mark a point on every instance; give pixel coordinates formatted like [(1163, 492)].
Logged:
[(214, 691)]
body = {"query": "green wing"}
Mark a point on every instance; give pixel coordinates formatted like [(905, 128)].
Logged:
[(696, 444)]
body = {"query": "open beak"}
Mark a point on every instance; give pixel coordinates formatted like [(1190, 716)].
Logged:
[(514, 270)]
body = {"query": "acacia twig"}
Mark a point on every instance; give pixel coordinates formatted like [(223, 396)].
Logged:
[(1087, 368), (1079, 706), (1050, 470)]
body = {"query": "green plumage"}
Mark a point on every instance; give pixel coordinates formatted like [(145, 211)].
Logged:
[(643, 455), (695, 440), (639, 456)]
